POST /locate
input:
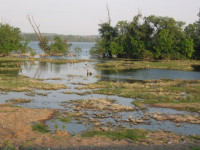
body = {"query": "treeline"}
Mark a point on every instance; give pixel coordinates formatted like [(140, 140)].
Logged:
[(69, 38), (151, 37)]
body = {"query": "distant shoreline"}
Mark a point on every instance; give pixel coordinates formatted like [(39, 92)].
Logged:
[(68, 38)]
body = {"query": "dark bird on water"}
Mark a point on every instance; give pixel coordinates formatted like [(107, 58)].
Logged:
[(89, 73)]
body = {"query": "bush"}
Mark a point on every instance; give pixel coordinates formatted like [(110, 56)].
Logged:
[(10, 40), (40, 128), (59, 46), (66, 120), (133, 134)]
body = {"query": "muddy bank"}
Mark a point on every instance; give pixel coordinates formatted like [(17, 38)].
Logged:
[(16, 130)]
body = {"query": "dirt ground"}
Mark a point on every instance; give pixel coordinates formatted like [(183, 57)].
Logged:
[(16, 131)]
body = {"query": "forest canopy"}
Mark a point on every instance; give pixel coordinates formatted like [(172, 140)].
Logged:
[(152, 37)]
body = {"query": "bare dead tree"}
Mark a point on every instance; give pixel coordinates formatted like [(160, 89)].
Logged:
[(36, 29), (37, 26), (139, 12), (198, 13), (109, 19)]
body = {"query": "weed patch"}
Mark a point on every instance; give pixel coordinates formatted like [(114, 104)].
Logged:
[(40, 128), (133, 134)]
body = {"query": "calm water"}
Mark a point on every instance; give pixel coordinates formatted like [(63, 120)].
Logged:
[(49, 70), (74, 75)]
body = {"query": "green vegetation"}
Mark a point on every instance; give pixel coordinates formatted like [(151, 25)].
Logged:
[(40, 128), (193, 32), (123, 64), (21, 83), (196, 137), (8, 146), (58, 47), (56, 126), (10, 40), (177, 94), (194, 148), (151, 37), (65, 119), (133, 134)]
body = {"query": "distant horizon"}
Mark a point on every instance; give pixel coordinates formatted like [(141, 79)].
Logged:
[(75, 17), (61, 34)]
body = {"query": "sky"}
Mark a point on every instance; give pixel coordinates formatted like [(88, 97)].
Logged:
[(81, 17)]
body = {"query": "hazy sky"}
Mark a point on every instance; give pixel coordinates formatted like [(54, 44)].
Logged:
[(83, 16)]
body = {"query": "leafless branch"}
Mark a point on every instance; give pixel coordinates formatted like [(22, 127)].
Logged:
[(38, 30), (36, 33), (109, 19)]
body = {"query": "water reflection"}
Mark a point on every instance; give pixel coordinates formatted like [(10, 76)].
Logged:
[(52, 70), (145, 74), (10, 72), (43, 69)]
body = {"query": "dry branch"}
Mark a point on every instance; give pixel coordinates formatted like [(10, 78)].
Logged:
[(109, 19)]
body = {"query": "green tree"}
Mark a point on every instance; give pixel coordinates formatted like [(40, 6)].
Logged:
[(187, 48), (143, 38), (10, 40), (116, 49), (122, 27), (193, 31), (108, 33), (164, 44), (59, 46)]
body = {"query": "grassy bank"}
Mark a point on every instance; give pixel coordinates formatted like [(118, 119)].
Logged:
[(178, 94), (21, 83), (132, 134), (18, 59), (187, 65)]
